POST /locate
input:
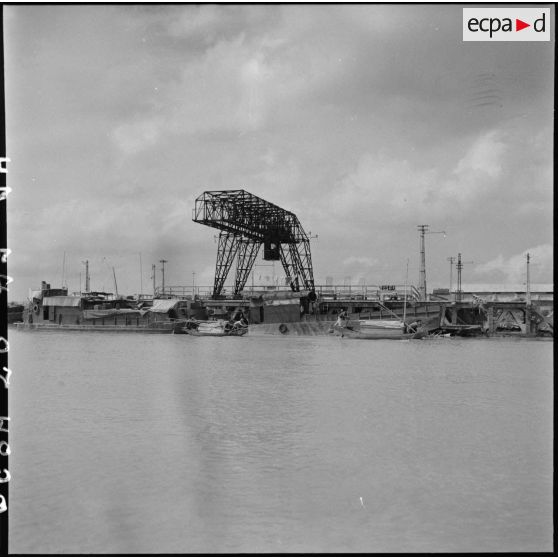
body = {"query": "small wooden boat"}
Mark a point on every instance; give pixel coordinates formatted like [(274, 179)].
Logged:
[(218, 328), (377, 329)]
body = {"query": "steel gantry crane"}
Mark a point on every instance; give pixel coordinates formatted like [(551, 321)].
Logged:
[(246, 222)]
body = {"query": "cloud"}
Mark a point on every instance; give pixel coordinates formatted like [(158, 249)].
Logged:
[(360, 261), (134, 137), (207, 24), (513, 269), (224, 90), (476, 174), (404, 188), (484, 156), (202, 21), (248, 75)]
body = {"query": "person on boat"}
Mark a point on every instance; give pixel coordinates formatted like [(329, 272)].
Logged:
[(241, 323), (240, 320), (191, 324), (312, 300), (342, 318)]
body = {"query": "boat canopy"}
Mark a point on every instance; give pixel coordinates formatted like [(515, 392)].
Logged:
[(62, 301), (163, 305), (96, 314)]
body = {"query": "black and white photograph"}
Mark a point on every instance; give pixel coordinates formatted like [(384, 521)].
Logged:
[(280, 278)]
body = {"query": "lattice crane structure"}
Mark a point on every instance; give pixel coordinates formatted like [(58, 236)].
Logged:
[(247, 222)]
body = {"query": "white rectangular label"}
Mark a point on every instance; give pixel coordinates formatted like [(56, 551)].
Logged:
[(506, 24)]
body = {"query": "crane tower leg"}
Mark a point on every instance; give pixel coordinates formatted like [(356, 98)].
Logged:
[(247, 253), (227, 249)]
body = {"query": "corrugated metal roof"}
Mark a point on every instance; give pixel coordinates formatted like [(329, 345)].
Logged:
[(61, 301), (164, 305)]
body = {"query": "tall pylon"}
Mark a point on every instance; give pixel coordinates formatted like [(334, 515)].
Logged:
[(163, 262), (423, 230), (87, 278)]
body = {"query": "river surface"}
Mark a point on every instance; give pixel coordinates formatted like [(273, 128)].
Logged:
[(137, 443)]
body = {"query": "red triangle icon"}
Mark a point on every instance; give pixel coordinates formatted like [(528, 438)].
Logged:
[(519, 25)]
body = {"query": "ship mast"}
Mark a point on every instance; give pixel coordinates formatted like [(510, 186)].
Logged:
[(115, 285)]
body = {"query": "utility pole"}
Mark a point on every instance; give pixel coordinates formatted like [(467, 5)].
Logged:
[(193, 284), (423, 230), (64, 272), (460, 264), (153, 277), (528, 285), (451, 260), (141, 275), (115, 284), (459, 268), (163, 262), (87, 278), (422, 271)]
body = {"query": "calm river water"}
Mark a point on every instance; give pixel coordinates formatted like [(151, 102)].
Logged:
[(138, 443)]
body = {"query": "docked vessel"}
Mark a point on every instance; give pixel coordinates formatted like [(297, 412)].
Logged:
[(55, 309), (217, 328)]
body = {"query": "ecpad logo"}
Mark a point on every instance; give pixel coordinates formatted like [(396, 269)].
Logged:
[(494, 24), (506, 24)]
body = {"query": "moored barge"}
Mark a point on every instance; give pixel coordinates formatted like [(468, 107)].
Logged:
[(55, 309)]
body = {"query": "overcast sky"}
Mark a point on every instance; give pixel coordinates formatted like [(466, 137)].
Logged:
[(363, 120)]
